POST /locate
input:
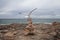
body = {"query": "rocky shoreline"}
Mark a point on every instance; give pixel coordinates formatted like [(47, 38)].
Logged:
[(43, 32)]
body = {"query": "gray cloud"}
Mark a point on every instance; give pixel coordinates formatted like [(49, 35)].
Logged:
[(21, 8)]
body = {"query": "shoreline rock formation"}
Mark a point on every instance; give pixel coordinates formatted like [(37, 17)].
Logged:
[(43, 32)]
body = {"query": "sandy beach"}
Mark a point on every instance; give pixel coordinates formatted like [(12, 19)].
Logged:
[(43, 32)]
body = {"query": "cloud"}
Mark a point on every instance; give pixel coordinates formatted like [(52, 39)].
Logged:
[(12, 8)]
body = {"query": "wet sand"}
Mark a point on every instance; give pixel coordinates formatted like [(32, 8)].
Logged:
[(43, 32)]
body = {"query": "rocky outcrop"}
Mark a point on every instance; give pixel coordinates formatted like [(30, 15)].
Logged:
[(43, 32)]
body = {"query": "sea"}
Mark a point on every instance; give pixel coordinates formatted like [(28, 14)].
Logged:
[(24, 21)]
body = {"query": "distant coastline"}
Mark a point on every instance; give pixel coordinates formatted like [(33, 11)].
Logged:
[(32, 18)]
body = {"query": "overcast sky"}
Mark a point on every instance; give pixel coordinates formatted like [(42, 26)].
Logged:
[(21, 8)]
